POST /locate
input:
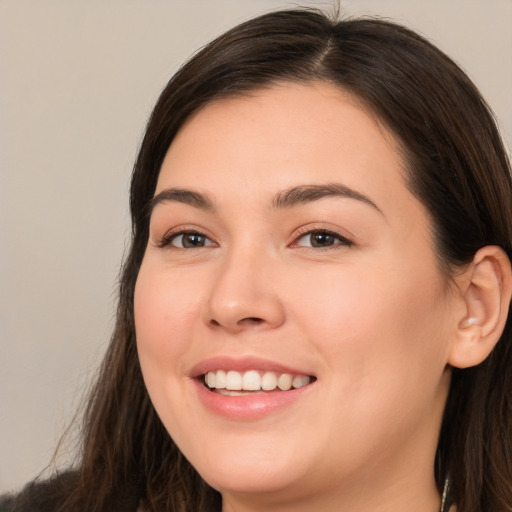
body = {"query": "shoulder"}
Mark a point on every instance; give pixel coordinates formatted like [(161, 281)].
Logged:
[(37, 496)]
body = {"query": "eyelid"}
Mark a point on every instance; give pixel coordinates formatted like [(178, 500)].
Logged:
[(306, 230), (166, 239)]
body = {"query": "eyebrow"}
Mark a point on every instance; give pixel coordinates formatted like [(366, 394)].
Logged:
[(196, 199), (295, 196), (302, 194)]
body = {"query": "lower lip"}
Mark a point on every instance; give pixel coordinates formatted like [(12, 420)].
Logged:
[(251, 406)]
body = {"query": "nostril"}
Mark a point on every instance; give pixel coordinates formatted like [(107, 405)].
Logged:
[(250, 320), (243, 322)]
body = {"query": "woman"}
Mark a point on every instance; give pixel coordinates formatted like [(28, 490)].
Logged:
[(313, 312)]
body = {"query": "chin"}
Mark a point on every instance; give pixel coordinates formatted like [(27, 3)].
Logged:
[(250, 471), (250, 480)]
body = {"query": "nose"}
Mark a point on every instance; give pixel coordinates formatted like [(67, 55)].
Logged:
[(244, 295)]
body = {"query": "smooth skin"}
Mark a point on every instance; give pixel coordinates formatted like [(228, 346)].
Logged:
[(345, 287)]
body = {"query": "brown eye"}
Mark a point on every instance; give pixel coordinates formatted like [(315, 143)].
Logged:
[(321, 239), (190, 240)]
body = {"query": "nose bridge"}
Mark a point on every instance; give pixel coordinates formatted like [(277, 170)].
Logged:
[(242, 293)]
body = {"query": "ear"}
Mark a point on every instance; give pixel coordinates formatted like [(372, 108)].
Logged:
[(486, 293)]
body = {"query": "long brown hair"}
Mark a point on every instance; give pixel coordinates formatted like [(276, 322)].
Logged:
[(457, 167)]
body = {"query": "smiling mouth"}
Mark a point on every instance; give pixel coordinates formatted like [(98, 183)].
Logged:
[(233, 383)]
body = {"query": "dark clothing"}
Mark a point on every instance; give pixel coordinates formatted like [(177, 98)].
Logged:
[(36, 496), (39, 496), (49, 496)]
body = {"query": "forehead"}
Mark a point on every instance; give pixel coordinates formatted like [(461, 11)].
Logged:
[(292, 111), (287, 133)]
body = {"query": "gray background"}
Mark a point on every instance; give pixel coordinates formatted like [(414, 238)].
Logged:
[(77, 82)]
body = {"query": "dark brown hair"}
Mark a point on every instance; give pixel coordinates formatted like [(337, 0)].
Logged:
[(457, 166)]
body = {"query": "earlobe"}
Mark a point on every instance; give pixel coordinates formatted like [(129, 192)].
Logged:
[(468, 322), (487, 294)]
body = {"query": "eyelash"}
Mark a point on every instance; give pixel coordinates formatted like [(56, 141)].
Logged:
[(168, 238), (341, 240)]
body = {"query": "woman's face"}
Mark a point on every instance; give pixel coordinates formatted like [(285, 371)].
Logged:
[(285, 249)]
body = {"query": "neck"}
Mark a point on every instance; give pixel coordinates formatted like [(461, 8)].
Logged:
[(378, 497)]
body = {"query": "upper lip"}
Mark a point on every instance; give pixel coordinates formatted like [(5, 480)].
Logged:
[(242, 364)]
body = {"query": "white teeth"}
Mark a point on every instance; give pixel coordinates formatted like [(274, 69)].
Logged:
[(269, 381), (284, 382), (299, 381), (251, 381), (233, 381), (254, 380), (220, 380)]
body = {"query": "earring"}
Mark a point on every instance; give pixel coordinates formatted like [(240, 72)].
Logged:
[(444, 498), (468, 322)]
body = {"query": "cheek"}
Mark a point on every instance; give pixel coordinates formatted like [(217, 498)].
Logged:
[(165, 312), (387, 321)]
